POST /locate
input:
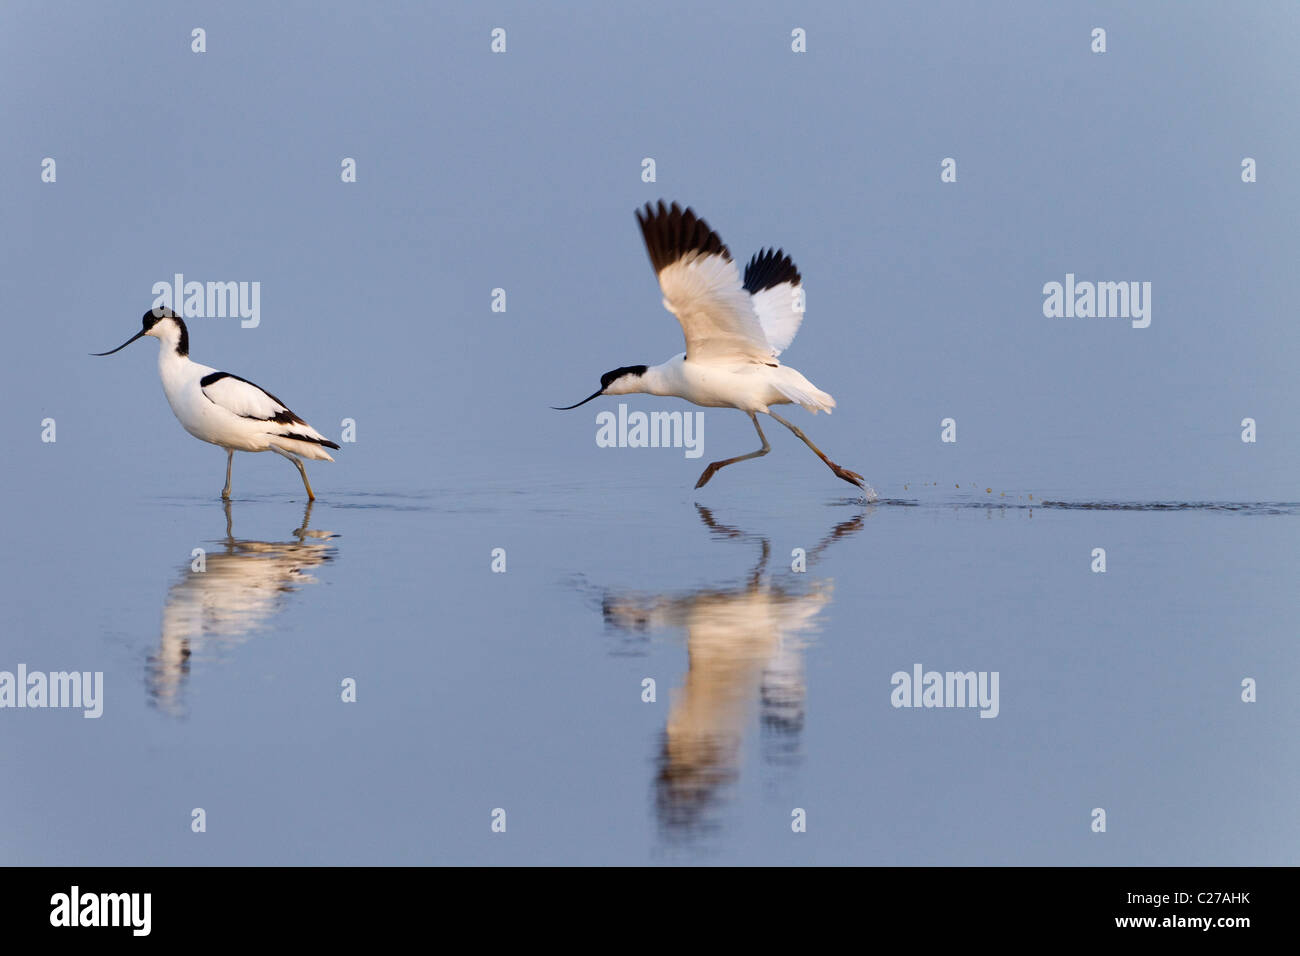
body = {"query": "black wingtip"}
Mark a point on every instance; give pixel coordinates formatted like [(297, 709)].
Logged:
[(770, 268), (671, 232), (308, 438)]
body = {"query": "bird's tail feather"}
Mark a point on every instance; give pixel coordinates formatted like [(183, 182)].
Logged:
[(304, 446), (803, 392)]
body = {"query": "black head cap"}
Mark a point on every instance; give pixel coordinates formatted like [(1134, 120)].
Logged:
[(610, 377), (154, 316)]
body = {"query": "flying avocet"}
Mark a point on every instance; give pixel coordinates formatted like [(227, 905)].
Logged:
[(734, 332), (224, 409)]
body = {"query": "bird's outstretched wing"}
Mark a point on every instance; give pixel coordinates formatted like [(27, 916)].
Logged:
[(241, 397), (777, 296), (701, 287)]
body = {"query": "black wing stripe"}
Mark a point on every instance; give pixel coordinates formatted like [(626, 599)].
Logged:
[(315, 441), (770, 268), (671, 233)]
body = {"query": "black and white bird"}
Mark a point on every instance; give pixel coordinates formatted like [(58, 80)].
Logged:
[(224, 409), (734, 332)]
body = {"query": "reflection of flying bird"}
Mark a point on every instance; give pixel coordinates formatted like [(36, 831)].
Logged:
[(734, 331), (241, 587), (224, 409), (745, 650)]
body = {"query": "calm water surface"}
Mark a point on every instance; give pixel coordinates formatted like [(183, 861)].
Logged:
[(523, 690)]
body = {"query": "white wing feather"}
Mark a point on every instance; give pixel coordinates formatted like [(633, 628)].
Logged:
[(778, 298), (284, 430), (247, 400), (780, 311), (715, 312)]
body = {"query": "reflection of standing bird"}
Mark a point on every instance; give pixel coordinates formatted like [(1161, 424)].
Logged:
[(734, 332), (222, 605), (225, 409), (745, 650)]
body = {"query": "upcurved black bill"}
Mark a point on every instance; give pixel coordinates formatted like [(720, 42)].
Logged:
[(137, 335), (599, 392)]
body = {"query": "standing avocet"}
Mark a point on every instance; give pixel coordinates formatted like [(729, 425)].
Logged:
[(734, 331), (225, 409)]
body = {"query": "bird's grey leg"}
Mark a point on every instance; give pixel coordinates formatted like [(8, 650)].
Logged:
[(852, 477), (311, 495), (708, 472), (230, 458), (302, 532), (756, 576)]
